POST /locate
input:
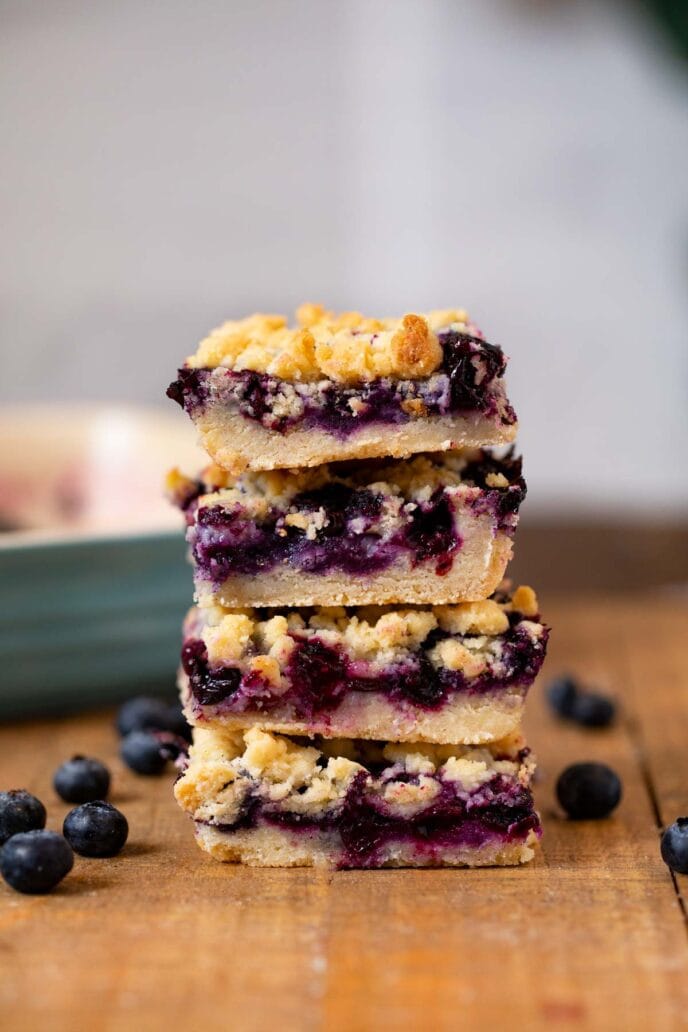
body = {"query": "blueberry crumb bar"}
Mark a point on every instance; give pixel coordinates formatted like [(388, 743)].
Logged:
[(272, 801), (354, 669), (456, 673), (435, 528), (264, 395)]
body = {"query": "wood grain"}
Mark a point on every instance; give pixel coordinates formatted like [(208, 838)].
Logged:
[(589, 936), (563, 554)]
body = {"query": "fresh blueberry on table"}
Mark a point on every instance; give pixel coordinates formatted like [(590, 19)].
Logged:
[(96, 829), (571, 701), (591, 709), (35, 861), (143, 752), (19, 811), (143, 714), (561, 694), (588, 791), (177, 722), (674, 846), (81, 780)]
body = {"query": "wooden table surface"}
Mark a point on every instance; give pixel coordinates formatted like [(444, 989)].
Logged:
[(591, 935)]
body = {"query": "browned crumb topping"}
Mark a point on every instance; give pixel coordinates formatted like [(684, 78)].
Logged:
[(224, 766), (346, 348), (399, 483), (378, 635)]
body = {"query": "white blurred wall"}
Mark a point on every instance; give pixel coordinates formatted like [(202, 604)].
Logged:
[(169, 164)]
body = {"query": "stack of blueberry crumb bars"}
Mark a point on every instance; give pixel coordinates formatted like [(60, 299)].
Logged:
[(354, 667)]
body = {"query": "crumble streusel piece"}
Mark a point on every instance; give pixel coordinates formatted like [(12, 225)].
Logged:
[(271, 801), (436, 528), (455, 673), (267, 396)]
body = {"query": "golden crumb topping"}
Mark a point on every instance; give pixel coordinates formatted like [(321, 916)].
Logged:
[(379, 636), (224, 767), (487, 617), (525, 601), (347, 348)]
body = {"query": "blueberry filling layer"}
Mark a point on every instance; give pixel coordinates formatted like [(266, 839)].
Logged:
[(502, 505), (351, 537), (463, 384), (502, 809), (226, 541), (320, 676)]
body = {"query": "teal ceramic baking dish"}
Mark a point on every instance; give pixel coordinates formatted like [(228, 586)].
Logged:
[(93, 577), (88, 622)]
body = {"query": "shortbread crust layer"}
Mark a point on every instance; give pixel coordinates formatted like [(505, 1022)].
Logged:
[(277, 847), (236, 444), (270, 800), (437, 528), (456, 673), (468, 719), (475, 573)]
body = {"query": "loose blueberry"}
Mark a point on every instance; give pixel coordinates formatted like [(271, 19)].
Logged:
[(81, 779), (148, 714), (562, 694), (96, 829), (177, 723), (143, 714), (674, 846), (143, 753), (588, 791), (572, 701), (19, 811), (35, 861), (593, 710)]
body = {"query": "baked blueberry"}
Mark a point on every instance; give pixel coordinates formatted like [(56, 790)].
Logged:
[(19, 811), (82, 779), (96, 829), (143, 713), (143, 752), (35, 861), (588, 791), (674, 846)]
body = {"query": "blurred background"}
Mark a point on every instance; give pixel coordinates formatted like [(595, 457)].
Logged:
[(167, 165)]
